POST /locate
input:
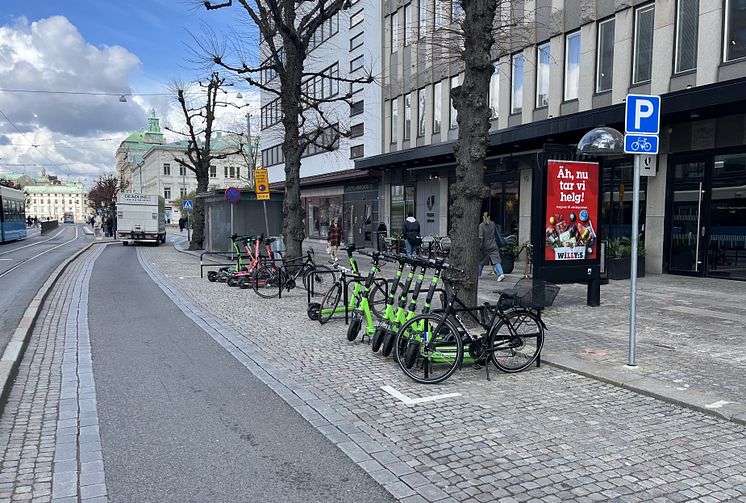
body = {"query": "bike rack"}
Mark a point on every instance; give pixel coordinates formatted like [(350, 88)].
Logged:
[(226, 254)]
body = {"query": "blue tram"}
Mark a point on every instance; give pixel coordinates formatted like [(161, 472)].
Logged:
[(12, 214)]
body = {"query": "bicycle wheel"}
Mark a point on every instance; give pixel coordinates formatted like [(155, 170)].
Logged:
[(516, 341), (329, 303), (321, 275), (427, 350), (377, 298), (267, 280)]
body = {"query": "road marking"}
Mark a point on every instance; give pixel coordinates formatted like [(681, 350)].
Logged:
[(718, 404), (77, 232), (414, 401), (7, 259), (32, 244)]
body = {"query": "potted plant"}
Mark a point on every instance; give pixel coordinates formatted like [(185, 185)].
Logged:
[(618, 258), (508, 253)]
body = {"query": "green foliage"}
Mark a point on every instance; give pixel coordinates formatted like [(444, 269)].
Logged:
[(511, 248), (622, 248)]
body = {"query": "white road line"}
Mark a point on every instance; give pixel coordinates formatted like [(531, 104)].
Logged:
[(717, 405), (77, 232), (414, 401), (32, 244)]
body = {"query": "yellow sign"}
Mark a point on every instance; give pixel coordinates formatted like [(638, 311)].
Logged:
[(261, 184)]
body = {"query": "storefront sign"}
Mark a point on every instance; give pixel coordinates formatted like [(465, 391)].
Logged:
[(361, 187), (571, 210)]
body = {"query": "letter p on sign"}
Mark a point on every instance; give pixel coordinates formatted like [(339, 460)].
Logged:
[(643, 114)]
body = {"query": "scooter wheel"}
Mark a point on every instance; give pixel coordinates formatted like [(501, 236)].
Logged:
[(377, 340), (212, 276), (232, 281), (410, 354), (388, 343), (243, 283), (313, 311), (354, 328)]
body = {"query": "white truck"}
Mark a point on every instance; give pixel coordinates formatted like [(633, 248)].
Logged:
[(141, 217)]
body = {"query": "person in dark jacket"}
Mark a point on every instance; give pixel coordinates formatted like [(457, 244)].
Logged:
[(411, 233), (334, 238)]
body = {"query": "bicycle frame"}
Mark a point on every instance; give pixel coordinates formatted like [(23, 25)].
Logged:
[(359, 301)]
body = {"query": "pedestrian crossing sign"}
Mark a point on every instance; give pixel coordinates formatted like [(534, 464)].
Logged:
[(187, 205)]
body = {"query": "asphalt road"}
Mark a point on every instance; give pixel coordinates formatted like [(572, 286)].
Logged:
[(181, 420), (24, 267)]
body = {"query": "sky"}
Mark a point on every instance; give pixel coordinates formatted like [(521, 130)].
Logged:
[(135, 48)]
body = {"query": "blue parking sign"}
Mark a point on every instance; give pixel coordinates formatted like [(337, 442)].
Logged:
[(642, 114)]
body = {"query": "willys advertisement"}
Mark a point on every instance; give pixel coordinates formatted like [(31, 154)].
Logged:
[(571, 210)]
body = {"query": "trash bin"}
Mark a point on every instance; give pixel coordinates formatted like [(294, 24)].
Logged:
[(380, 236)]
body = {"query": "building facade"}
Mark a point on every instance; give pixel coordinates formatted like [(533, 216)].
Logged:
[(347, 46), (564, 70), (49, 199), (131, 151)]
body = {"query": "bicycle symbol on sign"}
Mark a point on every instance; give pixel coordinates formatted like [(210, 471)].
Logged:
[(641, 145)]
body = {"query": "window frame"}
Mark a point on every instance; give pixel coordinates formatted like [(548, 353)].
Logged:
[(513, 108), (407, 24), (421, 112), (565, 80), (354, 23), (437, 107), (357, 133), (539, 47), (166, 169), (677, 39), (452, 112), (407, 132), (394, 36), (726, 34), (422, 19), (496, 95), (597, 88), (394, 108), (360, 59), (636, 41), (361, 36)]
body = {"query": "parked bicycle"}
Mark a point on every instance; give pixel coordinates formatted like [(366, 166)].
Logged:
[(269, 280)]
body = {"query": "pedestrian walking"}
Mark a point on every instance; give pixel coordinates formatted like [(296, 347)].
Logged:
[(181, 224), (334, 238), (108, 225), (411, 233), (489, 239), (97, 224)]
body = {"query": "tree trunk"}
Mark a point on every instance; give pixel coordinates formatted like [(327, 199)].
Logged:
[(293, 214), (198, 214), (471, 102)]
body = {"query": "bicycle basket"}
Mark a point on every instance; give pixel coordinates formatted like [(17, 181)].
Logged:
[(535, 293)]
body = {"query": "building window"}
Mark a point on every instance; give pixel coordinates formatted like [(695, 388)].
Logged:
[(734, 46), (687, 25), (167, 192), (605, 55), (357, 151), (572, 66), (421, 97), (495, 92), (319, 87), (516, 97), (356, 41), (166, 169), (272, 156), (357, 63), (225, 168), (182, 171), (357, 130), (213, 172), (356, 18), (183, 192), (327, 141), (407, 24), (394, 118), (542, 75), (453, 113), (271, 113), (327, 30), (422, 26), (357, 108), (642, 65), (407, 133), (456, 11), (440, 13), (437, 96), (394, 31)]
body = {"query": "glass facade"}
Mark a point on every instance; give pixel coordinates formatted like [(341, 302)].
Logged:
[(319, 214)]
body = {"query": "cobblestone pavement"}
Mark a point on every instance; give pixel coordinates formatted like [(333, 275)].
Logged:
[(49, 438), (541, 435)]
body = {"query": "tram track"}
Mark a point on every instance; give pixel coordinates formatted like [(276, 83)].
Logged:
[(35, 243), (30, 259)]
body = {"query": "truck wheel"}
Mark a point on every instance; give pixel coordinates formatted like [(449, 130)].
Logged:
[(125, 243), (163, 239)]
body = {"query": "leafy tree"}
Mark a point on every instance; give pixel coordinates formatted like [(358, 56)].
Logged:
[(288, 28), (104, 192)]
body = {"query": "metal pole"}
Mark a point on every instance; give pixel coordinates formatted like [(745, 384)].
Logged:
[(266, 222), (633, 261), (231, 219)]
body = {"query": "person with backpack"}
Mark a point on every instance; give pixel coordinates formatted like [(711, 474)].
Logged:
[(491, 240), (411, 232)]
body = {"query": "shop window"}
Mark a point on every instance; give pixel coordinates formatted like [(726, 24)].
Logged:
[(402, 202), (319, 213)]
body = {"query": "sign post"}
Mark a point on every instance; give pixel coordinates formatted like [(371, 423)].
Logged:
[(232, 195), (642, 126), (261, 186), (187, 205)]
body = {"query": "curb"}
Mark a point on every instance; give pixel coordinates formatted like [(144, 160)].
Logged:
[(13, 353), (630, 379)]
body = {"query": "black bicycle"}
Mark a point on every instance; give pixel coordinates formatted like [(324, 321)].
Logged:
[(268, 280)]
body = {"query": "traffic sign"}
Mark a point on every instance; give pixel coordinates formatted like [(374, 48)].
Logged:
[(261, 184), (187, 205), (642, 114), (648, 165), (232, 195), (640, 144)]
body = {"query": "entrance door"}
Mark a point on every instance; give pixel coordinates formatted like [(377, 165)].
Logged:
[(726, 248), (428, 207), (687, 247), (360, 225)]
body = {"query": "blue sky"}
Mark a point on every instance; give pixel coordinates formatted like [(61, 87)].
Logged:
[(137, 48)]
